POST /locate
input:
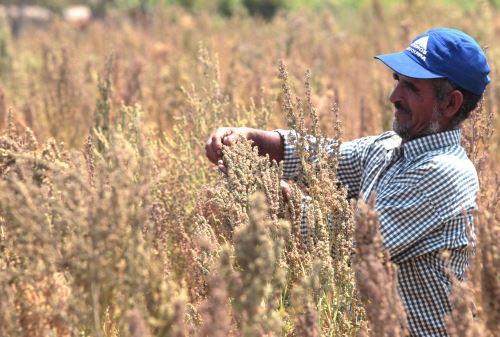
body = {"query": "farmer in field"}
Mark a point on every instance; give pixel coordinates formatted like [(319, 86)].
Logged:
[(424, 183)]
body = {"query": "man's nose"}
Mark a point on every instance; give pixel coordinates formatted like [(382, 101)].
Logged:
[(395, 95)]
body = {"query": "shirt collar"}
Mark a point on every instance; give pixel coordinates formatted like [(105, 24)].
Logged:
[(415, 147)]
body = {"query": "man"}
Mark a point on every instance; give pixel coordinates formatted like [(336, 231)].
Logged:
[(424, 183)]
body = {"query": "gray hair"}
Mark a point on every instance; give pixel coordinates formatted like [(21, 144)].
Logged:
[(443, 87)]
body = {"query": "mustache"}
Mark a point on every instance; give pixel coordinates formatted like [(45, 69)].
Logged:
[(400, 107)]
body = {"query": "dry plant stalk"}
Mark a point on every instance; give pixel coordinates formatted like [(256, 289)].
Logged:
[(489, 252), (306, 324), (327, 236), (216, 310), (476, 301), (124, 222), (256, 262), (461, 322), (376, 276), (75, 256)]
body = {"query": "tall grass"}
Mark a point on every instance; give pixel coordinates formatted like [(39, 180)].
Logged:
[(113, 223)]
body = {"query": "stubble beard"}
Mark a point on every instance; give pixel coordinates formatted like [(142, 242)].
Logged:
[(403, 130)]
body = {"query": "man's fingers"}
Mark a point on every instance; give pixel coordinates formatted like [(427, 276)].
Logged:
[(285, 190), (222, 136), (209, 151), (213, 147), (217, 145), (229, 139), (222, 167)]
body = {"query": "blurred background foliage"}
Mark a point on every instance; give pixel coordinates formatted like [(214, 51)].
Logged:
[(265, 8), (51, 69), (104, 125)]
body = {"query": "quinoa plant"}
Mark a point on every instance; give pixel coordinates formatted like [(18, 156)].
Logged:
[(113, 223)]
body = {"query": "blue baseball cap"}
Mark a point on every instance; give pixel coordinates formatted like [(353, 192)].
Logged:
[(443, 53)]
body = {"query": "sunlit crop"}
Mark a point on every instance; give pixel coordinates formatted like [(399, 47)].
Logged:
[(113, 222)]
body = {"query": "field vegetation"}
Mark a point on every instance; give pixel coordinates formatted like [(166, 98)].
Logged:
[(113, 222)]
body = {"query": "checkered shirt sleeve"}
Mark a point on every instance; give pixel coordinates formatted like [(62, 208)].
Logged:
[(425, 191)]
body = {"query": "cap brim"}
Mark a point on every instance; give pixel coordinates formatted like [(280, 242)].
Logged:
[(405, 65)]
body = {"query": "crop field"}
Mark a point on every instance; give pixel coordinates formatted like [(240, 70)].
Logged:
[(114, 223)]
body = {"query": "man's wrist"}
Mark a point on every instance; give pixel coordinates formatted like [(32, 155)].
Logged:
[(267, 142)]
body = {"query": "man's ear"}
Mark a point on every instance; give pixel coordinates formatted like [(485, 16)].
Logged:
[(454, 102)]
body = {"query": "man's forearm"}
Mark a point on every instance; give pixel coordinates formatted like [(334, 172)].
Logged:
[(268, 142)]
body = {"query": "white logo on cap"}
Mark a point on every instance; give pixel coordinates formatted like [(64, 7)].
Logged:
[(419, 47)]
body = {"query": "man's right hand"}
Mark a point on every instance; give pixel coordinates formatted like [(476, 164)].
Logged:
[(268, 142), (223, 136)]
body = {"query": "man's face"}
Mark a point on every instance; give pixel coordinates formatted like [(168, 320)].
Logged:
[(417, 109)]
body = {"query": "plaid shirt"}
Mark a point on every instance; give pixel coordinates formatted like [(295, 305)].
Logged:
[(422, 189)]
